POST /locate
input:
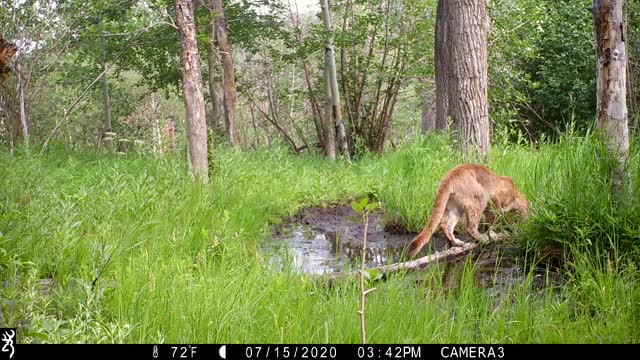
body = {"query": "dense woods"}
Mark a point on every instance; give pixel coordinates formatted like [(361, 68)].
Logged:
[(263, 65), (109, 110)]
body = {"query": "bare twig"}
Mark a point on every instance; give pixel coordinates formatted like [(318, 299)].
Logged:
[(362, 290), (84, 92)]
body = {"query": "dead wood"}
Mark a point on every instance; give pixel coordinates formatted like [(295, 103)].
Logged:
[(448, 255), (7, 50)]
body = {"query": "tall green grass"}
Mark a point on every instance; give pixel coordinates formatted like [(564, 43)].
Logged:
[(138, 253)]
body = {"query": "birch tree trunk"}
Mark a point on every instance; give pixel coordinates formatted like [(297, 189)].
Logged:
[(441, 63), (107, 134), (333, 83), (22, 101), (467, 86), (156, 126), (192, 87), (611, 84), (228, 85), (329, 125)]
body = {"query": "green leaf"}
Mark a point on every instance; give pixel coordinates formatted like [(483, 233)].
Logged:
[(366, 274), (372, 206), (375, 273), (356, 207)]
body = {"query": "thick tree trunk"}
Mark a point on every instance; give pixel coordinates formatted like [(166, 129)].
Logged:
[(467, 86), (192, 87), (329, 126), (611, 84), (228, 85), (335, 94), (442, 61)]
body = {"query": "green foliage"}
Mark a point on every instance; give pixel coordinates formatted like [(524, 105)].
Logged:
[(380, 46), (577, 208), (632, 12), (137, 253), (542, 67)]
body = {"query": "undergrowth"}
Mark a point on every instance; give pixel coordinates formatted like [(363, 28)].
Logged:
[(125, 248)]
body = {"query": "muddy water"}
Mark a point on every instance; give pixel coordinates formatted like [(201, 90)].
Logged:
[(321, 240)]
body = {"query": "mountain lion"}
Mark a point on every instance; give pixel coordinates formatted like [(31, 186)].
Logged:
[(466, 191)]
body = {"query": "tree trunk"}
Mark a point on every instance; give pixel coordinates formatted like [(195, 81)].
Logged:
[(107, 135), (7, 50), (611, 84), (428, 113), (632, 89), (192, 87), (156, 126), (23, 109), (467, 86), (329, 126), (441, 62), (335, 95), (228, 86), (213, 86)]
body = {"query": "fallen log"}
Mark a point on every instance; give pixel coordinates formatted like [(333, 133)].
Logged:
[(440, 256)]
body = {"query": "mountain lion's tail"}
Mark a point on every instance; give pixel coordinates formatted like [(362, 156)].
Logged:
[(439, 205)]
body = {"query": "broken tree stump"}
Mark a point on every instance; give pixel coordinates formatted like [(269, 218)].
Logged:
[(7, 50)]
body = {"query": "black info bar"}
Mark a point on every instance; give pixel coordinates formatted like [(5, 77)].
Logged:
[(320, 351)]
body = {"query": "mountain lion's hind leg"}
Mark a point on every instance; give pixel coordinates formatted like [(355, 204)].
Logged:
[(448, 224)]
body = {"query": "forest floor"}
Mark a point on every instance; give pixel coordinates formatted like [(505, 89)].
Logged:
[(126, 248)]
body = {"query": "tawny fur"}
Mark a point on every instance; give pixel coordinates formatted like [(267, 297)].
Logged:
[(466, 191)]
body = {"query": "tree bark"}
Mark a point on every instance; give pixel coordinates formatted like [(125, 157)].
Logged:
[(441, 63), (107, 135), (329, 126), (23, 107), (335, 95), (467, 86), (156, 126), (228, 85), (213, 92), (192, 87), (213, 86), (611, 84), (7, 50), (428, 114)]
